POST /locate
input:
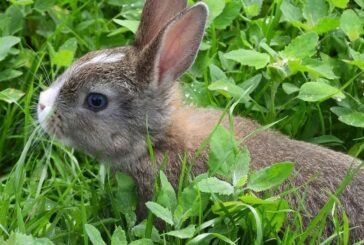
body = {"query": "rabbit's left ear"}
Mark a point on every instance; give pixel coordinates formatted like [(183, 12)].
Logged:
[(175, 48)]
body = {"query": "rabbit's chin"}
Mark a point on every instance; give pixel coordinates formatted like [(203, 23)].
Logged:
[(56, 135), (122, 160)]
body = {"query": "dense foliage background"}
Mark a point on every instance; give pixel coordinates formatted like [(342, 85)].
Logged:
[(297, 60)]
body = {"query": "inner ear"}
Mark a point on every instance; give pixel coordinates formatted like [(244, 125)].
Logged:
[(174, 49), (155, 16), (179, 43)]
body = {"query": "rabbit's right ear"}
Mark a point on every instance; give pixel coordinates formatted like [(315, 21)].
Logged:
[(156, 14), (174, 49)]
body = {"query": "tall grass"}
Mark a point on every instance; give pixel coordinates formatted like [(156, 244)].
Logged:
[(306, 79)]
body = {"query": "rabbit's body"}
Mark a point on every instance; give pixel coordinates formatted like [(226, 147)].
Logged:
[(104, 103), (318, 170)]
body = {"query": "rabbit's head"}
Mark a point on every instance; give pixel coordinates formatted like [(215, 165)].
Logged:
[(103, 103)]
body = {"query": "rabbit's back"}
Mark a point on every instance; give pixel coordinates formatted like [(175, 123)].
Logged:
[(318, 170)]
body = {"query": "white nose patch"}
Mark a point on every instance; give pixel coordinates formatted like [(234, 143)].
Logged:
[(46, 102)]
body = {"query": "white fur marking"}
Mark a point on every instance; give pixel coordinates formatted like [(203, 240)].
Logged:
[(104, 58), (47, 98)]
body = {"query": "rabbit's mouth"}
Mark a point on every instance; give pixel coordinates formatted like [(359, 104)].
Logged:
[(52, 124)]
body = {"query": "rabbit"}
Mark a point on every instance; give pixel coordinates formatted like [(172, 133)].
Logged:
[(102, 103)]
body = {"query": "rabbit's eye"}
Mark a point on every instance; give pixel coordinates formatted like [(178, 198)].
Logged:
[(96, 102)]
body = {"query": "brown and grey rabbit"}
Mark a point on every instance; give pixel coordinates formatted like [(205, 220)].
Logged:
[(102, 102)]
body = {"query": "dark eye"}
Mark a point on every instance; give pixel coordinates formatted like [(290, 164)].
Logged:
[(96, 101)]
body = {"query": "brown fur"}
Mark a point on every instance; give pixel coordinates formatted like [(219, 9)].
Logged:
[(318, 169), (141, 89)]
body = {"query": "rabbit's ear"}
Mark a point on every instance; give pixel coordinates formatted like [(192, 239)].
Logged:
[(174, 49), (155, 16)]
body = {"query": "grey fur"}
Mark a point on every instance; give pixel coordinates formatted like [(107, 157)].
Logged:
[(118, 133)]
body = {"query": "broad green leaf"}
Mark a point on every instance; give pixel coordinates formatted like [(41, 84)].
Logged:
[(201, 239), (9, 74), (22, 239), (229, 14), (65, 55), (204, 46), (290, 12), (21, 2), (139, 231), (216, 73), (94, 235), (225, 64), (340, 3), (358, 63), (227, 89), (360, 3), (125, 200), (116, 3), (314, 67), (252, 7), (290, 88), (351, 24), (118, 237), (13, 21), (275, 213), (314, 10), (143, 241), (278, 71), (161, 212), (192, 202), (5, 44), (326, 139), (11, 95), (340, 111), (269, 177), (196, 93), (355, 119), (216, 186), (317, 91), (70, 44), (301, 47), (319, 68), (248, 58), (248, 86), (216, 7), (326, 24), (63, 58), (358, 59), (252, 199), (185, 233), (43, 5), (240, 169), (131, 25), (167, 196), (221, 147)]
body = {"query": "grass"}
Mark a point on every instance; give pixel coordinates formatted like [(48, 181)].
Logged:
[(305, 78)]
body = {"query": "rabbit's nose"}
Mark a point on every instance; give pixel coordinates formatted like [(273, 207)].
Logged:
[(41, 106)]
